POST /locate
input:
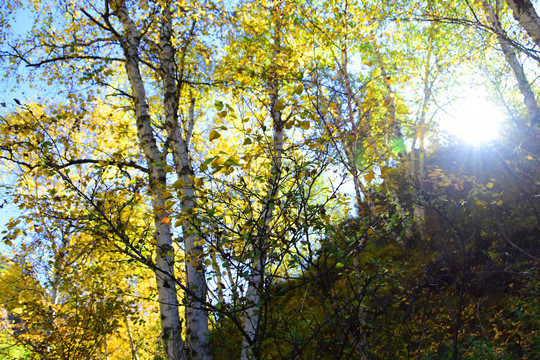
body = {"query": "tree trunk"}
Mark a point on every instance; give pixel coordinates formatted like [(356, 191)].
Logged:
[(219, 278), (256, 278), (416, 158), (198, 341), (524, 86), (105, 348), (352, 148), (394, 134), (168, 303), (525, 14), (134, 355)]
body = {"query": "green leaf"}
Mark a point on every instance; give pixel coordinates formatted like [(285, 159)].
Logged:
[(280, 105), (398, 145), (214, 135), (204, 164), (219, 105)]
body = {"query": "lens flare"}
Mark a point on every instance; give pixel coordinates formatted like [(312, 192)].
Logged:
[(473, 119)]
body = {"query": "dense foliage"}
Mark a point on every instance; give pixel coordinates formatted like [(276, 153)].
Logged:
[(267, 179)]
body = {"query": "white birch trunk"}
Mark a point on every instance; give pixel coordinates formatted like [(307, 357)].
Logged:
[(256, 278), (134, 355), (416, 160), (168, 303), (352, 148), (59, 264), (527, 17), (198, 336), (219, 278), (105, 347), (391, 136), (529, 98)]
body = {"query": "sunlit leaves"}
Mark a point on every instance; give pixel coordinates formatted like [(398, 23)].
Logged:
[(348, 88), (214, 135)]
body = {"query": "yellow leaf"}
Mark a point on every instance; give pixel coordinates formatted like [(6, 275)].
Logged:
[(299, 89), (222, 114), (489, 185), (198, 181), (178, 183), (214, 135), (402, 109), (280, 105), (305, 125), (369, 176)]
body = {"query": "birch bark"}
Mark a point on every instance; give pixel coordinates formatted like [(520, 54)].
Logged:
[(416, 158), (256, 278), (134, 355), (527, 17), (168, 303), (197, 340), (529, 98)]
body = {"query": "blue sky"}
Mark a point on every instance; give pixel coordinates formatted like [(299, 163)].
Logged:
[(9, 92)]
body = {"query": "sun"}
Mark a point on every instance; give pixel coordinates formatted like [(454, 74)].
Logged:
[(473, 119)]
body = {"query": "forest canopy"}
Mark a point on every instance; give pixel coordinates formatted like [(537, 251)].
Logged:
[(269, 179)]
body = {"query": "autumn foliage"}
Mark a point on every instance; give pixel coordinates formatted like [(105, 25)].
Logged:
[(267, 179)]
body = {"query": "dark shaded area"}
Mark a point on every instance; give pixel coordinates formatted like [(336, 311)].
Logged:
[(463, 284)]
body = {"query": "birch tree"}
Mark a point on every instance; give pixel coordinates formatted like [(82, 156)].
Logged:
[(153, 46)]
